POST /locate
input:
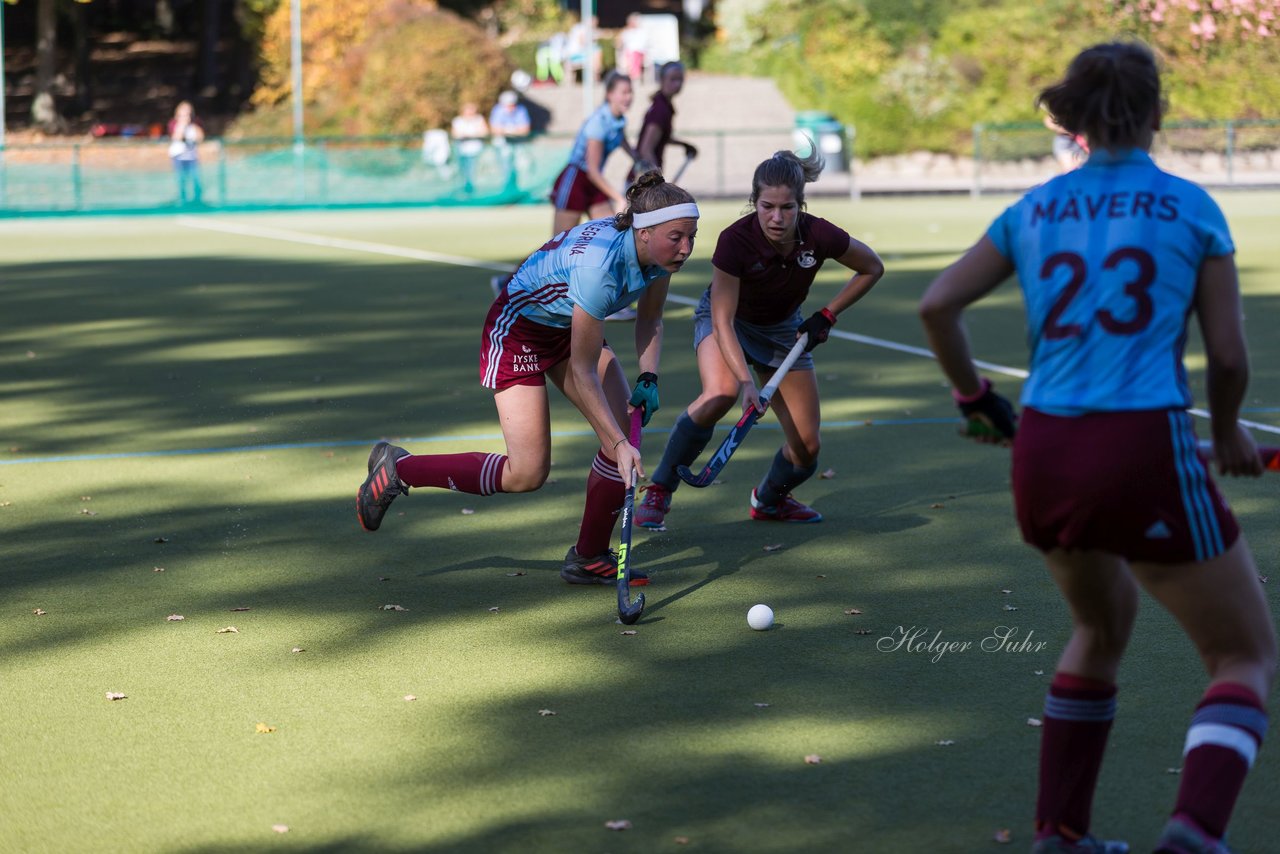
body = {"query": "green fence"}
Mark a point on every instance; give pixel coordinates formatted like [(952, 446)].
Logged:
[(138, 176), (1235, 153)]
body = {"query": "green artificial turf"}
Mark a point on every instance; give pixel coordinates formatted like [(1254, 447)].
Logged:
[(200, 402)]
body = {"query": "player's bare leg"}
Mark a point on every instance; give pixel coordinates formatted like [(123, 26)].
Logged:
[(525, 417), (1081, 702), (564, 220), (795, 404), (1220, 605)]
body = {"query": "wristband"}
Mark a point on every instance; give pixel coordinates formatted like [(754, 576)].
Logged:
[(983, 388), (831, 318)]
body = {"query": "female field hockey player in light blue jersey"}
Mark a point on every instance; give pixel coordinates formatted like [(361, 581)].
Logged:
[(1113, 258), (548, 322), (581, 188)]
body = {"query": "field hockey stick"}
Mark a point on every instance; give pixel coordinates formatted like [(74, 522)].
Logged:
[(744, 425), (688, 158), (629, 611), (1270, 456)]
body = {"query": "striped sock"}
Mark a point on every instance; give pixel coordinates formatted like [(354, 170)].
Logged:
[(1077, 718), (605, 494), (1222, 743), (476, 473)]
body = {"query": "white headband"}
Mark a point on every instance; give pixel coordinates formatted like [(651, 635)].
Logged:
[(688, 210)]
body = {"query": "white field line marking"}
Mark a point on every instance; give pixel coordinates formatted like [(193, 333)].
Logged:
[(287, 235)]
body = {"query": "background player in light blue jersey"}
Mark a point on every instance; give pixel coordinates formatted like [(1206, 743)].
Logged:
[(1113, 258), (581, 188), (549, 323)]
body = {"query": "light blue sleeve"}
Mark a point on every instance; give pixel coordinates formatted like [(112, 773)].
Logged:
[(1213, 226), (1003, 231), (596, 127), (593, 289)]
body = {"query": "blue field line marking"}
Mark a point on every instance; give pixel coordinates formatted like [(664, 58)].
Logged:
[(357, 443)]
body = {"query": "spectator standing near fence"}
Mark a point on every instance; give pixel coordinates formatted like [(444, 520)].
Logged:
[(469, 131), (509, 126), (631, 47), (185, 136)]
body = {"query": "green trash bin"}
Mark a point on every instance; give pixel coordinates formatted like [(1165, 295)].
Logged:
[(829, 134)]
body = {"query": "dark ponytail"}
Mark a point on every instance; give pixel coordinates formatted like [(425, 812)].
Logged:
[(1110, 94)]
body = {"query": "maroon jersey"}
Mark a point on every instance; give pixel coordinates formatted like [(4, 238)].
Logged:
[(774, 285), (660, 113)]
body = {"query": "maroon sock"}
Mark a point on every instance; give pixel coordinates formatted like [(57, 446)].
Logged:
[(1077, 718), (478, 474), (1222, 742), (605, 494)]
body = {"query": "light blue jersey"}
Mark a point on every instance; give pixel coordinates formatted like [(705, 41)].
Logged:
[(1107, 257), (593, 265), (604, 126)]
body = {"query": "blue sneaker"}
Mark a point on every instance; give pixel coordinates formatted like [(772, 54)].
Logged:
[(1182, 836), (1085, 845)]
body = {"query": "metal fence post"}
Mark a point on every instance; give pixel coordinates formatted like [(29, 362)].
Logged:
[(1231, 152), (76, 189), (720, 163), (222, 173), (850, 134), (976, 190), (322, 152)]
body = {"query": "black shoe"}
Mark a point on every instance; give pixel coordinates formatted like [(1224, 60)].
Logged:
[(381, 487), (601, 569)]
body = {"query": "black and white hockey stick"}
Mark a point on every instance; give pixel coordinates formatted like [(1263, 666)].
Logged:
[(744, 425), (688, 158), (629, 611)]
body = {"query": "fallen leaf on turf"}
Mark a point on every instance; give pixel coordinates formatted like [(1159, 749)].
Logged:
[(946, 742), (85, 511), (936, 506), (629, 632), (297, 649), (1003, 836), (264, 728), (812, 759), (1173, 770), (1011, 607), (852, 612), (1034, 722), (1006, 591), (280, 828), (546, 713), (467, 511), (773, 548), (618, 824), (384, 578), (394, 608), (86, 497), (819, 576), (681, 840), (6, 503), (1038, 672), (39, 612), (494, 609), (1262, 578), (241, 608), (717, 483), (516, 574), (227, 629), (157, 569), (409, 698), (827, 475), (160, 540), (762, 705), (863, 632), (173, 618), (112, 695)]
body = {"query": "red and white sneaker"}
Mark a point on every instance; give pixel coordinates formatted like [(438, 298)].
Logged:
[(654, 507), (786, 510)]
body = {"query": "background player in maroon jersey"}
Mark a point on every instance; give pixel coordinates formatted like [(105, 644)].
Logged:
[(763, 267)]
